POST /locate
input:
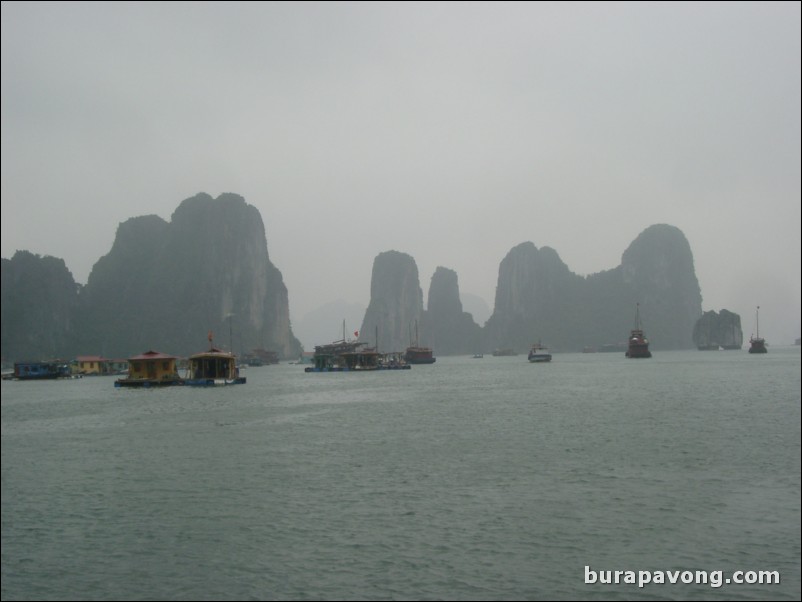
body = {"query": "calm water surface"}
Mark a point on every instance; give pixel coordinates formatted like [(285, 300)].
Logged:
[(469, 479)]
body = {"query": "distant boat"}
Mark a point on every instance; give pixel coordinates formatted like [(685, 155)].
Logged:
[(756, 343), (213, 367), (638, 344), (415, 354), (419, 355), (353, 356), (538, 353)]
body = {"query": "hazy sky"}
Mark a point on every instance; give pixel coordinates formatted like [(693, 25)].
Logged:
[(451, 132)]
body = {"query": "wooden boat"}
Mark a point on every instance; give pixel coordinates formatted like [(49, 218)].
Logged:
[(638, 344), (419, 355), (415, 354), (353, 356), (757, 344)]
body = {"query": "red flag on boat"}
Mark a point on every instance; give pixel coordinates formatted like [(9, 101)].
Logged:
[(356, 334)]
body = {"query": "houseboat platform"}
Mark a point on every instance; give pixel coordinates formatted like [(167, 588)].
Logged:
[(354, 356), (148, 382)]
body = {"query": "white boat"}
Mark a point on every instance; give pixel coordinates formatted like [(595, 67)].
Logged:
[(539, 353)]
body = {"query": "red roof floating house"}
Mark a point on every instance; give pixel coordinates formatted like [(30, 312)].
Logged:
[(151, 369)]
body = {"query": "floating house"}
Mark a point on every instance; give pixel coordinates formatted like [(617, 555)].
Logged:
[(95, 365), (213, 367), (41, 370), (151, 369), (347, 356), (90, 365)]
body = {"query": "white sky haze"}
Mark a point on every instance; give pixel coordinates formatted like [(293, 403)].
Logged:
[(449, 131)]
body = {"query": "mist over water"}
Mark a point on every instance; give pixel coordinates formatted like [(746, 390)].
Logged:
[(468, 479)]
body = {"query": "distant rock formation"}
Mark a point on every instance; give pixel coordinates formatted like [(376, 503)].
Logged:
[(396, 302), (713, 330), (446, 328), (539, 299), (476, 306), (39, 302), (658, 272), (165, 285)]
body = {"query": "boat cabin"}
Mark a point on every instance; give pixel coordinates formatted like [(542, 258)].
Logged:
[(213, 367)]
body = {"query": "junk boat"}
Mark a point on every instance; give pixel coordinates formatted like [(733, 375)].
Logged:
[(638, 344)]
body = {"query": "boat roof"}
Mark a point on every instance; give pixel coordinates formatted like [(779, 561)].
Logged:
[(339, 347), (213, 352), (153, 355), (39, 362)]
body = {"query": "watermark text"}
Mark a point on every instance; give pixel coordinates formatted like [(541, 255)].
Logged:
[(713, 578)]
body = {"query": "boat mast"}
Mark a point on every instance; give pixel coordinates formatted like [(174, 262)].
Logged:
[(757, 321)]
